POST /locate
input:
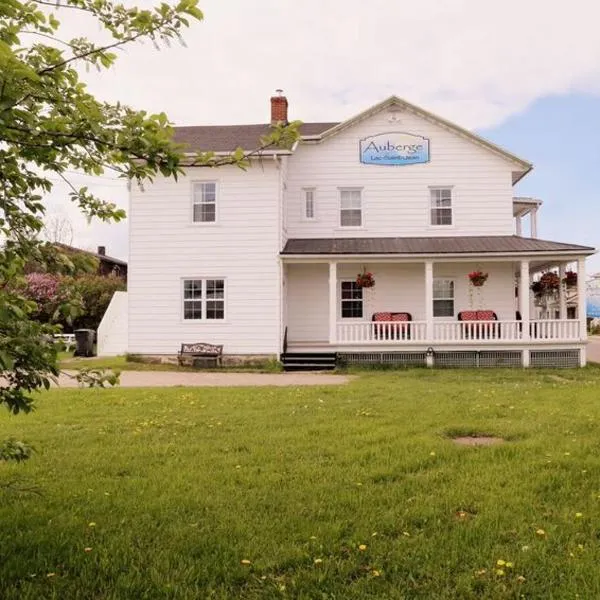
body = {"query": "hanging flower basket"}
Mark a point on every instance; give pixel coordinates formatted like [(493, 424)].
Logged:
[(547, 284), (478, 278), (365, 280), (570, 279)]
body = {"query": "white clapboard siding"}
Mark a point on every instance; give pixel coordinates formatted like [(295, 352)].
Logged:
[(396, 199), (112, 331), (242, 248)]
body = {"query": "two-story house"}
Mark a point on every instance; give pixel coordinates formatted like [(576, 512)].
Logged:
[(365, 242)]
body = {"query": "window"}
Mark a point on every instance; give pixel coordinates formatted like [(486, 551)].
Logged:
[(441, 206), (443, 298), (203, 299), (309, 204), (205, 202), (350, 208), (352, 300)]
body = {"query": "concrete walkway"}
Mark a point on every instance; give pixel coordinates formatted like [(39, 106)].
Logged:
[(593, 349), (205, 379)]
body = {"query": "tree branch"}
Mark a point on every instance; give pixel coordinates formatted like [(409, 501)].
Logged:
[(60, 5)]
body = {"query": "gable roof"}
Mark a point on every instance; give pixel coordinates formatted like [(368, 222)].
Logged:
[(226, 138), (490, 244), (522, 166)]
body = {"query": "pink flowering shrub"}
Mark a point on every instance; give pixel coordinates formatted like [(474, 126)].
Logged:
[(42, 287)]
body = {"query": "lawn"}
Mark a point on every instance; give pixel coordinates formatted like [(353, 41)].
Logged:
[(315, 493)]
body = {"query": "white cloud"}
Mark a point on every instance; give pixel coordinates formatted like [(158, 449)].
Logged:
[(474, 62)]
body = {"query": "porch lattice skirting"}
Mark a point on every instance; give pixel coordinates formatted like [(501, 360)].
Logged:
[(466, 358)]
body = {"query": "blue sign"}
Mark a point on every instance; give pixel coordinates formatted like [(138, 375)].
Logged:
[(593, 302), (394, 148)]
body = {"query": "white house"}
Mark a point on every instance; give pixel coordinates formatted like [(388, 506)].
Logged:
[(265, 261)]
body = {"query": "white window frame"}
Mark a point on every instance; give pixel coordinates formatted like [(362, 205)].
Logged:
[(362, 207), (203, 299), (306, 193), (342, 300), (444, 298), (200, 182), (433, 190)]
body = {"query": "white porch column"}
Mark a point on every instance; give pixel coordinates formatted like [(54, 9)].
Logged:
[(562, 292), (533, 217), (581, 301), (524, 304), (429, 300), (519, 226), (332, 302)]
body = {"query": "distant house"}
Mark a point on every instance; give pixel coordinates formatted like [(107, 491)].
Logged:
[(107, 265)]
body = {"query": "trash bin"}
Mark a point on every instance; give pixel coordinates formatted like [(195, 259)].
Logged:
[(84, 339)]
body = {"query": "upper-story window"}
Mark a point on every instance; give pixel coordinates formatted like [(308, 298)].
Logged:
[(351, 207), (309, 204), (204, 202), (441, 206)]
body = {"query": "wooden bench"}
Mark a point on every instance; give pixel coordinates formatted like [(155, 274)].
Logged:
[(485, 330), (391, 325), (200, 352)]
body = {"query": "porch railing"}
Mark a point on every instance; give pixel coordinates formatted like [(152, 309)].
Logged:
[(394, 333), (369, 332)]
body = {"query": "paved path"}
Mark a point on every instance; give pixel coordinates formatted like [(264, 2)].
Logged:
[(593, 349), (204, 379)]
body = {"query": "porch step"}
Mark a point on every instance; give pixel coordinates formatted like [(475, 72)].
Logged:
[(308, 361)]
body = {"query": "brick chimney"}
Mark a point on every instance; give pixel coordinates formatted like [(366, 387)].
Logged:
[(279, 108), (102, 250)]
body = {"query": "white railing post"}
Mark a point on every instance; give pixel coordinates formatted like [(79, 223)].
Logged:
[(524, 299), (429, 301), (581, 302), (562, 292), (332, 302)]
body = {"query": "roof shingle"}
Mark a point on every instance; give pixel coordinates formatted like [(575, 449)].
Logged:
[(226, 138), (430, 245)]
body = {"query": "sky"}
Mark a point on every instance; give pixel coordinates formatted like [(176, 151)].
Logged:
[(523, 73)]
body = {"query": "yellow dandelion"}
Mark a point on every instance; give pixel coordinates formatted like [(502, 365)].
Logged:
[(580, 546), (432, 454), (578, 515), (500, 563), (88, 549), (362, 547), (500, 572), (51, 575), (406, 534), (92, 524), (540, 532), (245, 561), (521, 579), (375, 573), (318, 561), (509, 565)]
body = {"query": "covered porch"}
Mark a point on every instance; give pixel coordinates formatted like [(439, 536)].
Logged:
[(422, 304)]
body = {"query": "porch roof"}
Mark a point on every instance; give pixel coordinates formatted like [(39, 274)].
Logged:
[(496, 244)]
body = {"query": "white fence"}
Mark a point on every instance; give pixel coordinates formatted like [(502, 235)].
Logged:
[(112, 331), (394, 333)]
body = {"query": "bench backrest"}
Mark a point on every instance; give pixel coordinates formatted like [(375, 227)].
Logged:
[(391, 316), (201, 348), (477, 315)]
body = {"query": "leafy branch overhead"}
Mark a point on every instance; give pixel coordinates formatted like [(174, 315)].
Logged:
[(50, 126)]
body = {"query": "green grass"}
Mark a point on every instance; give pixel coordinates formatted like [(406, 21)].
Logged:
[(183, 484)]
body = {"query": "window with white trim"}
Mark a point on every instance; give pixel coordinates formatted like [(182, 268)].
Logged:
[(443, 298), (352, 300), (204, 202), (441, 206), (309, 204), (350, 208), (203, 299)]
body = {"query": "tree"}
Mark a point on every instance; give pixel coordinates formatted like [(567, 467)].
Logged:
[(58, 230), (50, 125)]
